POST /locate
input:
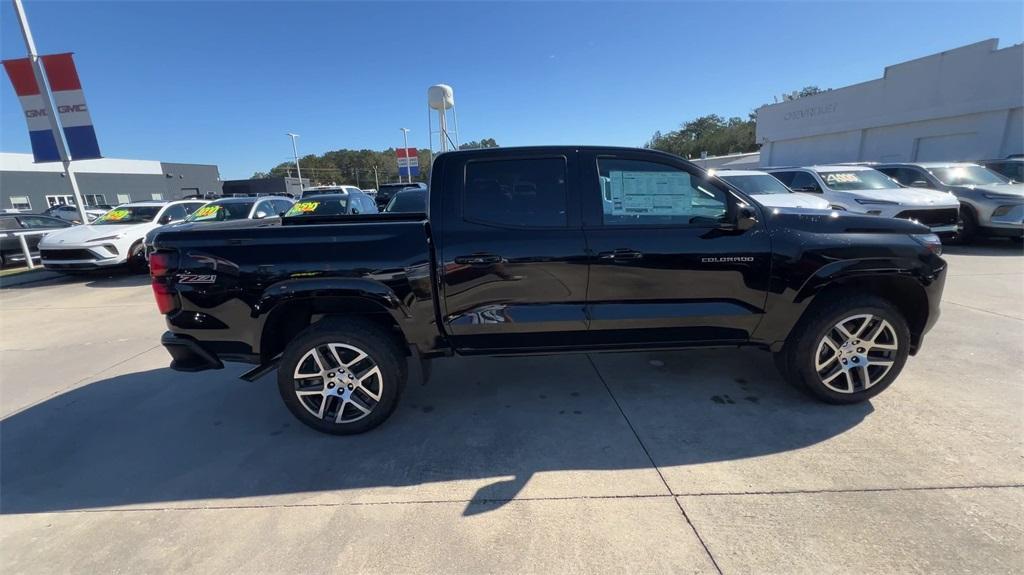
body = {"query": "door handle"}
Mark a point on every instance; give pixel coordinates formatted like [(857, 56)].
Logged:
[(621, 255), (478, 259)]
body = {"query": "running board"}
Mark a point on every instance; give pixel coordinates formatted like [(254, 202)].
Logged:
[(261, 370)]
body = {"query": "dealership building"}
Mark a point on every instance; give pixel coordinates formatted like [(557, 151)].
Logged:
[(26, 185), (962, 104)]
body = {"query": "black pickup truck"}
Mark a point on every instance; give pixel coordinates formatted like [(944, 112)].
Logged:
[(547, 250)]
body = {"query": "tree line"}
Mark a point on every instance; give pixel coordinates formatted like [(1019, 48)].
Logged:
[(716, 135), (361, 168)]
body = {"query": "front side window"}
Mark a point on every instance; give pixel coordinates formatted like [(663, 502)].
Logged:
[(39, 222), (637, 192), (803, 182), (517, 193), (968, 176), (854, 180), (127, 215)]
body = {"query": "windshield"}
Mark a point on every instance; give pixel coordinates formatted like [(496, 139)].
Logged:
[(408, 202), (221, 212), (326, 206), (858, 180), (757, 184), (128, 215), (967, 176)]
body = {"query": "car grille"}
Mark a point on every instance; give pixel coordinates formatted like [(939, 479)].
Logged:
[(932, 218), (70, 254)]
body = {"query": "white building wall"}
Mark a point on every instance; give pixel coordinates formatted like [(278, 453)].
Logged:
[(961, 104)]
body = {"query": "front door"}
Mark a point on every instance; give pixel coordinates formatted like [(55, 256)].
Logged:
[(668, 265), (512, 255)]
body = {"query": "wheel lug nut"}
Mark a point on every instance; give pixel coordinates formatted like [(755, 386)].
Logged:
[(860, 350), (844, 360), (856, 359), (350, 386)]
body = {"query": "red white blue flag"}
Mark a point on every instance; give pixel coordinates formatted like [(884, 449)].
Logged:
[(408, 161), (69, 100)]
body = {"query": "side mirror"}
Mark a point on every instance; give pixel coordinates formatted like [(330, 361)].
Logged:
[(746, 218), (919, 184), (281, 214), (261, 214)]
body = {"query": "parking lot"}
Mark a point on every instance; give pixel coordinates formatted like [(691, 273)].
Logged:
[(701, 461)]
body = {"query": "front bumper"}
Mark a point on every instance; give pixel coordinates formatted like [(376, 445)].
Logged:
[(90, 257), (1008, 222), (187, 354)]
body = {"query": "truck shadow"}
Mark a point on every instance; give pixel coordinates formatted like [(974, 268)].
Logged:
[(479, 431)]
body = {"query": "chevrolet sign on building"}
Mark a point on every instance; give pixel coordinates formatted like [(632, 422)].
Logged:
[(962, 104)]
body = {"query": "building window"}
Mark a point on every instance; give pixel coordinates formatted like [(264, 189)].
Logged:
[(60, 201), (157, 197), (95, 199), (21, 203), (123, 198)]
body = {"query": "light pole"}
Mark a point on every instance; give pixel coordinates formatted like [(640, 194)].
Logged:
[(408, 167), (295, 152)]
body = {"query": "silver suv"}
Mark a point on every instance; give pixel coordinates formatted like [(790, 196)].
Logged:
[(990, 204)]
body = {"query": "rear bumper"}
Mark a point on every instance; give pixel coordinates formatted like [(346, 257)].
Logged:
[(187, 354)]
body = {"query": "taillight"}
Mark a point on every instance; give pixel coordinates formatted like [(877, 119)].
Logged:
[(160, 266)]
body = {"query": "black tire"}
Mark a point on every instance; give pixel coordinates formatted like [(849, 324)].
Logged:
[(380, 347), (137, 263), (802, 348), (968, 225)]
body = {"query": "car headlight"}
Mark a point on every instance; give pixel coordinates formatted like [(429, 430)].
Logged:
[(995, 196), (865, 202), (929, 241)]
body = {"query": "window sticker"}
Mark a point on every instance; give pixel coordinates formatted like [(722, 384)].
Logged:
[(841, 178), (650, 193), (302, 208), (114, 216), (207, 211)]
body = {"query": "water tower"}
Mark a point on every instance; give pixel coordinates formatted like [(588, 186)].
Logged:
[(440, 97)]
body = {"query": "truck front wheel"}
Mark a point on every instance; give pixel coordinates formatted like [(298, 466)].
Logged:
[(848, 350), (342, 376)]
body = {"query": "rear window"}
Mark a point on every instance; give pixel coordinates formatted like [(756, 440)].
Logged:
[(221, 212), (516, 193), (410, 201)]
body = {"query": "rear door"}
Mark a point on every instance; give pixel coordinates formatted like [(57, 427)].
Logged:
[(668, 266), (512, 255)]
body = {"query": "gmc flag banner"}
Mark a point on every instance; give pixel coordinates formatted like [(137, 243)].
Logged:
[(70, 103), (408, 161)]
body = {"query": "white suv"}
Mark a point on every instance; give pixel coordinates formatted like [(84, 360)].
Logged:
[(113, 239), (864, 190)]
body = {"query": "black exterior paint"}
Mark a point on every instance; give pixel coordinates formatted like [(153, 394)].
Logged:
[(457, 286)]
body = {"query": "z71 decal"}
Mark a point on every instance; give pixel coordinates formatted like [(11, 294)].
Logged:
[(197, 279)]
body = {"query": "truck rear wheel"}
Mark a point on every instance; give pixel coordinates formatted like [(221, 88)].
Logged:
[(848, 350), (342, 376)]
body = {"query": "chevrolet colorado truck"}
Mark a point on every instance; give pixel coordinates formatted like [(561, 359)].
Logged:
[(547, 250)]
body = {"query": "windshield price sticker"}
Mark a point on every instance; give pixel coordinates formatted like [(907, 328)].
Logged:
[(652, 193), (115, 215), (841, 178), (206, 211), (303, 208)]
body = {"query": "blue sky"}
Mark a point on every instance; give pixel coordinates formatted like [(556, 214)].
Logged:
[(222, 82)]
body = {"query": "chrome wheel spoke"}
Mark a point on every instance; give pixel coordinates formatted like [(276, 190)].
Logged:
[(318, 393), (359, 357)]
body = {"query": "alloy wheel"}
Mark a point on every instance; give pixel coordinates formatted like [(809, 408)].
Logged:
[(856, 353), (338, 382)]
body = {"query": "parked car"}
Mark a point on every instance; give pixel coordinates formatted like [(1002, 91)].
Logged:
[(320, 190), (768, 191), (411, 200), (1010, 168), (70, 213), (990, 205), (864, 190), (386, 191), (350, 203), (10, 245), (113, 239), (228, 209), (521, 255)]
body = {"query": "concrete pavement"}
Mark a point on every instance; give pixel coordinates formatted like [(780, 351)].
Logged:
[(641, 462)]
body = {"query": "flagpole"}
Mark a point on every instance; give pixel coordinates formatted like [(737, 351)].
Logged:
[(51, 110)]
